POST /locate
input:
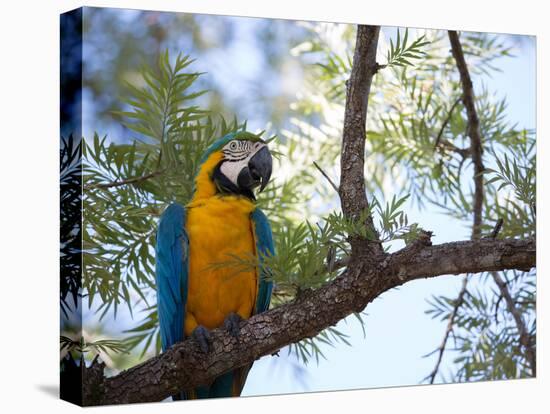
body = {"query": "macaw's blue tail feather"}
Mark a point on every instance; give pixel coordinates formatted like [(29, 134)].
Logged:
[(227, 385)]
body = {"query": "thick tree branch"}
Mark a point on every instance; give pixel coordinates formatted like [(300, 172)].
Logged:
[(184, 366), (352, 164)]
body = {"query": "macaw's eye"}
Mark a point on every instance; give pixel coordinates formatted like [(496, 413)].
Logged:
[(233, 146)]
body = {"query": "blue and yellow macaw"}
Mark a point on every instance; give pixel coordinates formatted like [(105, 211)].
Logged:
[(220, 222)]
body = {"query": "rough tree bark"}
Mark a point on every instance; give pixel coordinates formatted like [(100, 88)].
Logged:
[(368, 274), (185, 366), (352, 165)]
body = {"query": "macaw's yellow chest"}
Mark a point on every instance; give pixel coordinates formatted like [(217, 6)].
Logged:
[(219, 229)]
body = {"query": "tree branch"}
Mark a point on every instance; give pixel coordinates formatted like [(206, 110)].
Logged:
[(524, 337), (352, 165), (468, 98), (447, 145), (497, 228), (184, 366), (332, 183), (441, 349), (369, 273), (476, 152), (128, 181), (445, 122)]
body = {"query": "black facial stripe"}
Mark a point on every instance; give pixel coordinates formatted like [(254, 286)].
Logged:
[(233, 152), (244, 157), (238, 146)]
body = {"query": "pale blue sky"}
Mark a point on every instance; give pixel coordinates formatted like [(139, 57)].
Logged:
[(398, 332)]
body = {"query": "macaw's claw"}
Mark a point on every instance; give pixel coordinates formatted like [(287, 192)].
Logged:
[(202, 336), (232, 324)]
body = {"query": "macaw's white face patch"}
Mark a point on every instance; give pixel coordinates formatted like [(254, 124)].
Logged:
[(237, 154)]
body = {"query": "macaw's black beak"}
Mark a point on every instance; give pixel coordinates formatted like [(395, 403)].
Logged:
[(260, 166), (258, 171)]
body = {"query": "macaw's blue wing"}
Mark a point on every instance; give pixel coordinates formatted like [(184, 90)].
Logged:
[(172, 261), (264, 247), (172, 275)]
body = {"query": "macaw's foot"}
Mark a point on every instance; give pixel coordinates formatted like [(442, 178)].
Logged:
[(232, 324), (202, 336)]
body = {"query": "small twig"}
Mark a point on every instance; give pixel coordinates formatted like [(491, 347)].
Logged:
[(331, 259), (525, 302), (458, 302), (463, 152), (326, 176), (445, 122), (128, 181), (497, 228), (497, 307), (524, 337)]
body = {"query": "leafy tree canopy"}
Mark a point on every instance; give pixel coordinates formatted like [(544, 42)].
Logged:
[(418, 153)]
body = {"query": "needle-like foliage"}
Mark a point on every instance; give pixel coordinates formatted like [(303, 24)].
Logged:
[(418, 143), (418, 155)]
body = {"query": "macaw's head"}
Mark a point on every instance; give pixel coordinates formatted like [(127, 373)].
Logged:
[(235, 164)]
